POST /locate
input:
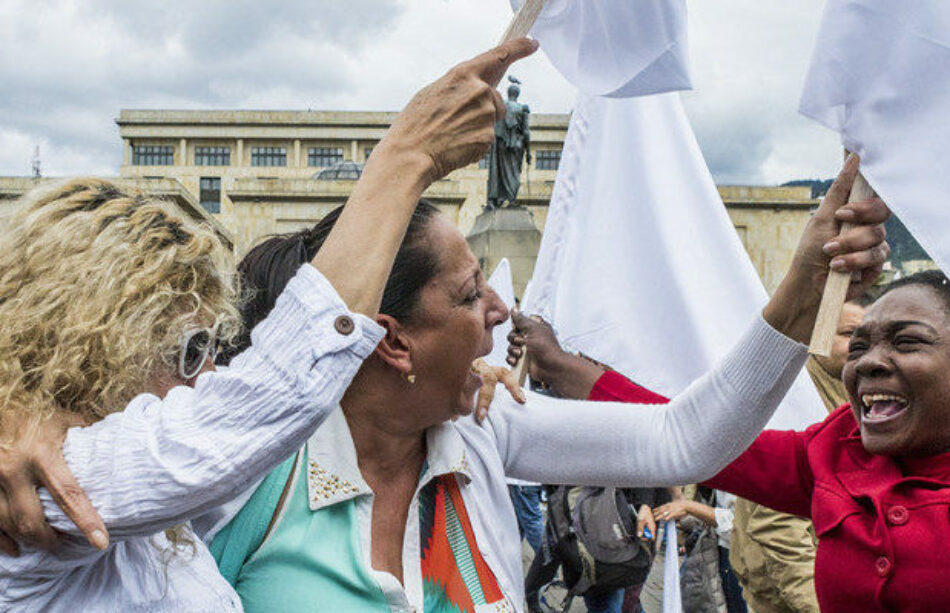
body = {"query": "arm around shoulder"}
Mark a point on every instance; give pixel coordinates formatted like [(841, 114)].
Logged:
[(163, 461)]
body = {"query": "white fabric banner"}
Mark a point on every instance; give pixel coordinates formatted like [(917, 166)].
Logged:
[(880, 76), (503, 285), (672, 598), (501, 282), (640, 266), (616, 48)]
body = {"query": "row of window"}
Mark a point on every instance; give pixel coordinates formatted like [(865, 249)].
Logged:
[(210, 187), (212, 156), (164, 155), (320, 157), (543, 160), (151, 155)]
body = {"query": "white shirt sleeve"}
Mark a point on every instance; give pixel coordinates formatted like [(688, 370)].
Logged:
[(686, 441), (163, 461)]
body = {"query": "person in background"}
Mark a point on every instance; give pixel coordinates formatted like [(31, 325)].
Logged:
[(773, 553), (598, 599), (571, 375), (526, 498), (825, 372), (714, 509)]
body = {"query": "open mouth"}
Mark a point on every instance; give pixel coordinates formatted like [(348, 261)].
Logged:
[(880, 408)]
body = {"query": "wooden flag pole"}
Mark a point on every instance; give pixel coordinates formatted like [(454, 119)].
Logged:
[(520, 27), (836, 287), (524, 20), (521, 369)]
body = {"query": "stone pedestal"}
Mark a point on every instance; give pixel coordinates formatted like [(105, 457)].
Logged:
[(506, 233)]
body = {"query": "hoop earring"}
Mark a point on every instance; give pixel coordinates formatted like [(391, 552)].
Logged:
[(409, 378)]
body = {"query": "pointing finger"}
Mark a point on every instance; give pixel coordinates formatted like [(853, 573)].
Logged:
[(492, 65)]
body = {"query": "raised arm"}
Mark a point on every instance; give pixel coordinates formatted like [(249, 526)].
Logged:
[(718, 416), (685, 441), (773, 471), (447, 125)]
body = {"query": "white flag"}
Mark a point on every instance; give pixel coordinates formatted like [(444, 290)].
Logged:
[(501, 282), (617, 48), (672, 597), (880, 76), (640, 266)]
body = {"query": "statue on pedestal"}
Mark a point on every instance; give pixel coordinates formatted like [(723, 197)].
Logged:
[(511, 147)]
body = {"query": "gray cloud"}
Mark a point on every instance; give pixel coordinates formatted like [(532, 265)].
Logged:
[(68, 67)]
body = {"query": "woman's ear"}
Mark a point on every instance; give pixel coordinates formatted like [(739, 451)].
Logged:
[(395, 347)]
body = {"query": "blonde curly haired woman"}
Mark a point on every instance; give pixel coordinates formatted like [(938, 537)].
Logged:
[(113, 301), (108, 301)]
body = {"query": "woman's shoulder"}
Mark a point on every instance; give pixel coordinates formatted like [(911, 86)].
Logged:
[(478, 440)]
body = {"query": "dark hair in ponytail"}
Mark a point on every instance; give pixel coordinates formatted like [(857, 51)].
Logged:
[(268, 267)]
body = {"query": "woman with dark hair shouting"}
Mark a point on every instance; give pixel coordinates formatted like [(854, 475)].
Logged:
[(399, 500)]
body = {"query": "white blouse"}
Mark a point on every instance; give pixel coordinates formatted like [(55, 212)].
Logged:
[(555, 441), (162, 462)]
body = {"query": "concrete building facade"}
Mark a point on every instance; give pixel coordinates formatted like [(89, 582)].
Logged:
[(257, 173), (170, 190)]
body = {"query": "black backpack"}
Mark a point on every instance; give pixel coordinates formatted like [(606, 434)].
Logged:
[(593, 530)]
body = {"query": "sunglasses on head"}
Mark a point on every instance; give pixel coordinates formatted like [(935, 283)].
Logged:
[(196, 347)]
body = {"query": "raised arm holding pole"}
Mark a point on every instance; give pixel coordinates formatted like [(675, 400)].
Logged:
[(836, 287)]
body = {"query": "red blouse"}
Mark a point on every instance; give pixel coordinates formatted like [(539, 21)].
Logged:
[(883, 523)]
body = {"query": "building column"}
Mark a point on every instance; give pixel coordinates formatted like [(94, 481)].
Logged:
[(297, 153), (126, 151), (240, 152), (183, 152), (355, 151)]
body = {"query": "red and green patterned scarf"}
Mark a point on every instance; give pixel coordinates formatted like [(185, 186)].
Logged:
[(455, 577)]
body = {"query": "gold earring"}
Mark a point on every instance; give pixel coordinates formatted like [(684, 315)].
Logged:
[(410, 378)]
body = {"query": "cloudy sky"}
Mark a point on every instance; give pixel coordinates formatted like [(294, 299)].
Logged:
[(68, 66)]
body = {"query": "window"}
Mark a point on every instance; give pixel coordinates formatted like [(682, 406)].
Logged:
[(153, 155), (324, 156), (368, 151), (268, 156), (212, 156), (483, 163), (210, 195), (547, 160)]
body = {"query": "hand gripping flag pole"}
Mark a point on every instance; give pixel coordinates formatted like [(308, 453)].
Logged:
[(836, 287), (524, 20)]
